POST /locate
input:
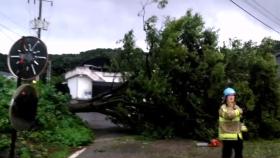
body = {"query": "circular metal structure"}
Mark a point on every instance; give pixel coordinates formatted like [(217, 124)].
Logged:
[(23, 107), (27, 58)]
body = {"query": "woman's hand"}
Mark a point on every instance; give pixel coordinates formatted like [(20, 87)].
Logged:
[(230, 114)]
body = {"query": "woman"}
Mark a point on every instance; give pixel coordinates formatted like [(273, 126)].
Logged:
[(230, 125)]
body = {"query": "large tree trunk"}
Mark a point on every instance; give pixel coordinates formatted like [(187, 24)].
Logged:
[(93, 106), (102, 102)]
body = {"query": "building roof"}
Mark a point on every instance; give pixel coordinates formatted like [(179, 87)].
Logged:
[(98, 63), (94, 75)]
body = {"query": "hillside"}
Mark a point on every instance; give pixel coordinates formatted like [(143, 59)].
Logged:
[(64, 62)]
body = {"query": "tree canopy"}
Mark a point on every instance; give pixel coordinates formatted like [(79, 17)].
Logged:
[(176, 87)]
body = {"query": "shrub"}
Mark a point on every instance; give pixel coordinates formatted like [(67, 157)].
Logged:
[(55, 124)]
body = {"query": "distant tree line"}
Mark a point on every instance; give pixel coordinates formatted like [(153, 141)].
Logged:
[(61, 63), (65, 62)]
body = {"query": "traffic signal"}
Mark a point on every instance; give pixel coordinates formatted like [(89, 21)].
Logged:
[(23, 107)]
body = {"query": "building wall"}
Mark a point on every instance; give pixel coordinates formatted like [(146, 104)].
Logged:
[(72, 85), (82, 82), (80, 87), (84, 88)]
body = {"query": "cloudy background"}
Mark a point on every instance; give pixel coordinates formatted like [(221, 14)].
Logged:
[(80, 25)]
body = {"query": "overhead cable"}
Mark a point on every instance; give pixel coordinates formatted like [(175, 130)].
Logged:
[(255, 17), (263, 11), (7, 28), (12, 21)]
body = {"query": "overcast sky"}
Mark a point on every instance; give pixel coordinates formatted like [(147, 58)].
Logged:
[(80, 25)]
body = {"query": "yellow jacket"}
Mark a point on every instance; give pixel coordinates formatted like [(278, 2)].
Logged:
[(229, 122)]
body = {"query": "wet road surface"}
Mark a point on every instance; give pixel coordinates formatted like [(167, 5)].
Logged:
[(114, 142)]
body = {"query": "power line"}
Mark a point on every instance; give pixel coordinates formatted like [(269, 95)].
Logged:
[(254, 17), (6, 35), (30, 16), (49, 16), (12, 21), (263, 11), (7, 28), (258, 4)]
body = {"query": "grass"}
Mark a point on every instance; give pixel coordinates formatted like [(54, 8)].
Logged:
[(262, 149), (62, 153), (57, 151)]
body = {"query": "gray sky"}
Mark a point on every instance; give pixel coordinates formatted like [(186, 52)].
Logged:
[(80, 25)]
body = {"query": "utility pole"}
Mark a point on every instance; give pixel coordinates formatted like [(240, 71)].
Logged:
[(39, 23), (40, 18)]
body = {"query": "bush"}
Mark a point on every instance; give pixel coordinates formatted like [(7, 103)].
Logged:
[(270, 128), (7, 88), (55, 124)]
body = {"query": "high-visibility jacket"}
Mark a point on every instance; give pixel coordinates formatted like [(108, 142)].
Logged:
[(229, 123)]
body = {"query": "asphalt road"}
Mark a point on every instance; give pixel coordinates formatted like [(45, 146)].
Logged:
[(96, 120), (104, 130), (114, 142), (101, 125)]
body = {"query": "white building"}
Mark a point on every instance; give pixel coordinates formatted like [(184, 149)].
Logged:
[(7, 75), (84, 82)]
